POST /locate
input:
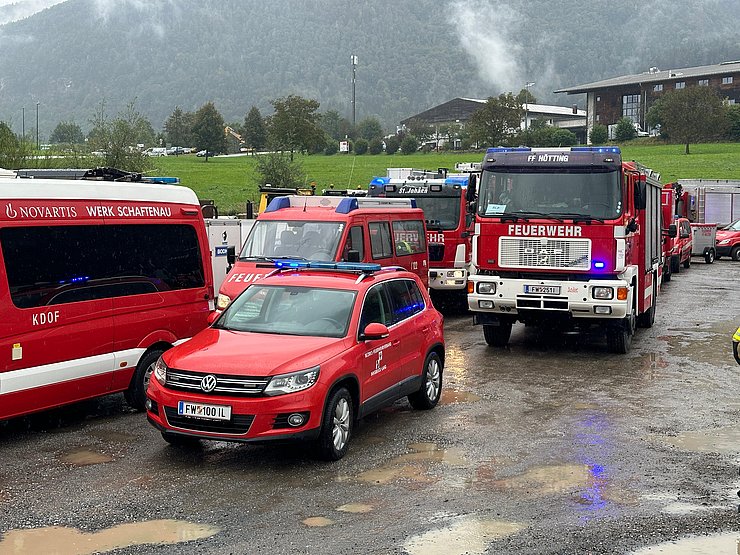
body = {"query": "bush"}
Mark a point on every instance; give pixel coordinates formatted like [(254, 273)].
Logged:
[(361, 146), (332, 147), (392, 144), (376, 146), (409, 145), (625, 130), (599, 134), (733, 128)]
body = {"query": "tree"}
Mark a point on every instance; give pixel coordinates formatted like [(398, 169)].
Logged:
[(392, 144), (332, 147), (733, 126), (525, 97), (255, 132), (625, 130), (496, 121), (361, 146), (67, 132), (419, 129), (178, 128), (599, 134), (689, 115), (409, 145), (369, 129), (13, 153), (376, 146), (280, 170), (208, 129), (337, 127), (117, 138), (295, 124)]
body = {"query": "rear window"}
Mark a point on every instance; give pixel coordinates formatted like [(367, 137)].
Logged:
[(50, 265)]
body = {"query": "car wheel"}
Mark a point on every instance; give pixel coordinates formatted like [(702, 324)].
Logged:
[(431, 384), (336, 428), (179, 440), (497, 336), (709, 256), (667, 273), (619, 336), (687, 262), (647, 319), (736, 254), (135, 395), (675, 265)]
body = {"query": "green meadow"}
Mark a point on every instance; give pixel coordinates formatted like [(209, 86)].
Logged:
[(230, 180)]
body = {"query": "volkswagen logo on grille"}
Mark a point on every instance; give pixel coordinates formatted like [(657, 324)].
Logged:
[(208, 383)]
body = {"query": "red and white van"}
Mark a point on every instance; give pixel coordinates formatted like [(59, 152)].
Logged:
[(97, 280), (385, 231)]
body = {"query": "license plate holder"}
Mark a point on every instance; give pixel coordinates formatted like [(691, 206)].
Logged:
[(542, 289), (203, 411)]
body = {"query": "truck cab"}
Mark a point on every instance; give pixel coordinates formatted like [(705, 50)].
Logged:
[(728, 241), (681, 245)]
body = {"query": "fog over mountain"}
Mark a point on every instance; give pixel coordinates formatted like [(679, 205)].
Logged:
[(69, 56)]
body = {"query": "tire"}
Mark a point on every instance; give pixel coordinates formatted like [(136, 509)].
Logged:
[(709, 256), (431, 384), (647, 319), (336, 428), (135, 395), (675, 265), (687, 262), (497, 336), (667, 273), (177, 440), (619, 337), (735, 254)]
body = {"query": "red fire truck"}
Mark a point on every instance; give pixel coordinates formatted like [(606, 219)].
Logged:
[(566, 237), (442, 197), (677, 244)]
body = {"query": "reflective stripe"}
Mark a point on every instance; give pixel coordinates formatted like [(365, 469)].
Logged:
[(49, 374)]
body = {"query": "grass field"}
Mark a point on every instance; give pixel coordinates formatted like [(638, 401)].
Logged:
[(231, 180)]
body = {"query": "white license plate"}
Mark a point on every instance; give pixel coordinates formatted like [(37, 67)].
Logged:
[(207, 412), (542, 289)]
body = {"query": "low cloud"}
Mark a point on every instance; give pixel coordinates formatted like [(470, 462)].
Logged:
[(12, 10)]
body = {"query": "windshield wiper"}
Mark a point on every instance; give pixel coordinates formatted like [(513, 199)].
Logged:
[(526, 215), (272, 258), (579, 217)]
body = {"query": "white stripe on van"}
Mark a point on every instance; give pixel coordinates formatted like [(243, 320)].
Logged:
[(58, 372)]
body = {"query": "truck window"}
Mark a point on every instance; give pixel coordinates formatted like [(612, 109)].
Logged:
[(355, 242), (380, 239), (49, 265), (408, 237)]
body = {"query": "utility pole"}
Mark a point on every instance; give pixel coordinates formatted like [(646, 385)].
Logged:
[(353, 59), (37, 125), (23, 123), (526, 104)]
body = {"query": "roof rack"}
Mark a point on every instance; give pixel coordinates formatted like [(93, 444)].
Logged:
[(363, 269), (341, 205)]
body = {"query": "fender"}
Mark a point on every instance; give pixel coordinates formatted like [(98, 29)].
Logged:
[(158, 336)]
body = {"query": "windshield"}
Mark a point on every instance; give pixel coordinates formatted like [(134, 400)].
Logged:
[(293, 239), (734, 226), (594, 193), (442, 213), (290, 311)]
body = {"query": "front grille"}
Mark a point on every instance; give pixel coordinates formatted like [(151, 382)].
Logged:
[(545, 252), (238, 425), (226, 385)]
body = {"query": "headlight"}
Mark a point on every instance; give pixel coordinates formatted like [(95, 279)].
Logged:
[(487, 288), (457, 274), (160, 371), (223, 301), (724, 241), (602, 293), (290, 383)]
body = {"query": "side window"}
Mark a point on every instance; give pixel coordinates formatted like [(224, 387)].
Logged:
[(408, 237), (406, 299), (355, 242), (380, 239), (375, 309)]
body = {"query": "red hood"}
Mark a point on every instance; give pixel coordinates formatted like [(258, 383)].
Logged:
[(726, 234), (251, 354), (242, 275)]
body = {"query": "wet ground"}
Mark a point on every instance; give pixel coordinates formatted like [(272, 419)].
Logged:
[(550, 446)]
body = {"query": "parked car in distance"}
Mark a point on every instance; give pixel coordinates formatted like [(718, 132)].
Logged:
[(156, 151), (303, 354), (728, 241), (208, 153), (682, 245)]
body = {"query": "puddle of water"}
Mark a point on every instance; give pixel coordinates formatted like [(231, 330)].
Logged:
[(318, 522), (725, 441), (717, 544), (411, 466), (355, 508), (468, 536), (450, 396), (549, 479), (84, 457), (70, 541)]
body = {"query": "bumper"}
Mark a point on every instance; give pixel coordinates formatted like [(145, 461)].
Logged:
[(573, 298), (448, 279), (252, 419), (724, 250)]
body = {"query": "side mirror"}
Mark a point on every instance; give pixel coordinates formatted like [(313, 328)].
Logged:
[(213, 316), (353, 256), (672, 231), (471, 191), (375, 331), (640, 194), (631, 226), (231, 255)]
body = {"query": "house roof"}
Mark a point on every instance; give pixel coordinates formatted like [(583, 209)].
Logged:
[(462, 108), (654, 75)]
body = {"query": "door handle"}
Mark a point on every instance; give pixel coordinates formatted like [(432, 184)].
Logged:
[(396, 342)]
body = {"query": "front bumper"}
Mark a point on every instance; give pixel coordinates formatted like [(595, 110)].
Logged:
[(448, 279), (252, 418), (724, 250), (573, 298)]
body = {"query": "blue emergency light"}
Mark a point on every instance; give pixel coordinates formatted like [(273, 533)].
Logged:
[(599, 265), (508, 149), (320, 265)]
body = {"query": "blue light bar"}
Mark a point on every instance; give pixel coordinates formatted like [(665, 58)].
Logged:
[(380, 180), (278, 203), (346, 205), (601, 149), (457, 181), (320, 265), (508, 149)]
